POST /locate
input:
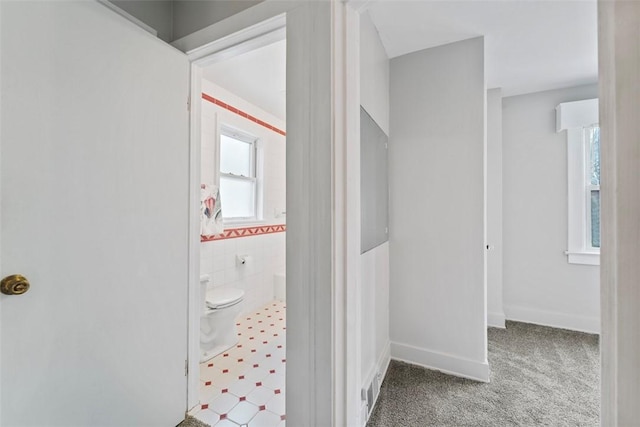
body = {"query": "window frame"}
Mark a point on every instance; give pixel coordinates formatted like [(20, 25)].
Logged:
[(589, 188), (255, 172), (576, 118)]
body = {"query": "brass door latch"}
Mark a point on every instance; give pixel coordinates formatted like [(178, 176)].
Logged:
[(14, 285)]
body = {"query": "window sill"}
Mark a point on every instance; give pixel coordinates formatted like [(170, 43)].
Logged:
[(242, 223), (585, 258)]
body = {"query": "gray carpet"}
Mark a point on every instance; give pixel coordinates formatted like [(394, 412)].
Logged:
[(539, 377)]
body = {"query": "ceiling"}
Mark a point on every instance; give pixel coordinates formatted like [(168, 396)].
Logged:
[(530, 45), (257, 76)]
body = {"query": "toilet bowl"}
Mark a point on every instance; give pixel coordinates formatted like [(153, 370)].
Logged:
[(218, 331)]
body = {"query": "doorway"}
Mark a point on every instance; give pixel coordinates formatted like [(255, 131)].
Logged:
[(242, 354), (314, 241)]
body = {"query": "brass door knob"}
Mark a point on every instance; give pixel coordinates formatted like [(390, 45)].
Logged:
[(14, 285)]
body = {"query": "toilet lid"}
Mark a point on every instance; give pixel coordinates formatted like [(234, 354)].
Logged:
[(223, 297)]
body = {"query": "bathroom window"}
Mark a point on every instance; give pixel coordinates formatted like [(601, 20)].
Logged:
[(238, 178)]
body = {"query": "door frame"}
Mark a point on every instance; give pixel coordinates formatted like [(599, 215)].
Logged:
[(250, 38), (325, 332), (618, 60)]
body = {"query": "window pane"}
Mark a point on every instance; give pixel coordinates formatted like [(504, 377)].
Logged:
[(594, 155), (237, 197), (595, 218), (235, 156)]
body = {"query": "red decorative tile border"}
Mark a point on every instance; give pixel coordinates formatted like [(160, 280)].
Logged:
[(241, 113), (234, 233)]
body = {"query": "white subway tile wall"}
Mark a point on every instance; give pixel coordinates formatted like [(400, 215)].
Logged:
[(265, 257), (266, 252)]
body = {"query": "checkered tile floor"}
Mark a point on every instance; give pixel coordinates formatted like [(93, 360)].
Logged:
[(244, 386)]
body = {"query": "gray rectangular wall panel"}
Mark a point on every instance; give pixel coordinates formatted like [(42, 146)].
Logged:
[(374, 183)]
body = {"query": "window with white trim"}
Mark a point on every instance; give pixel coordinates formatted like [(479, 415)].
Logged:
[(580, 120), (592, 143), (239, 184)]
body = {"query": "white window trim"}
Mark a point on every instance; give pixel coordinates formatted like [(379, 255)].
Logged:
[(574, 117), (256, 178)]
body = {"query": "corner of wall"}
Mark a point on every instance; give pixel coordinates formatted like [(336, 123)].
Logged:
[(554, 319), (496, 320), (443, 362)]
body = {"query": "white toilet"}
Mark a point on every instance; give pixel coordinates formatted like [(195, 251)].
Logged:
[(218, 331)]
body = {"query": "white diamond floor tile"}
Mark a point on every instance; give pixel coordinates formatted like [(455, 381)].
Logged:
[(276, 404), (208, 393), (208, 416), (245, 384), (243, 412), (242, 387), (265, 419), (226, 423), (274, 382), (223, 403), (256, 374), (260, 395)]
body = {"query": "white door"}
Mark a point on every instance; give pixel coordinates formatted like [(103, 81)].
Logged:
[(94, 191)]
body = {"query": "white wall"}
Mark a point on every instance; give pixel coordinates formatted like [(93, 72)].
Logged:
[(374, 73), (267, 251), (436, 170), (374, 264), (375, 343), (495, 311), (539, 285)]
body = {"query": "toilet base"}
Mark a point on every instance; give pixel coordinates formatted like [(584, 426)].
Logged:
[(218, 331), (206, 355)]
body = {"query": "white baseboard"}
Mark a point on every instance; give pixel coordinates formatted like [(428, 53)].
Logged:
[(384, 360), (446, 363), (381, 366), (496, 320), (380, 370), (553, 319)]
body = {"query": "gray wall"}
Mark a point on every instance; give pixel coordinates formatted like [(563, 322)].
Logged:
[(309, 220), (158, 14), (539, 284), (193, 15), (619, 59), (436, 149), (178, 18)]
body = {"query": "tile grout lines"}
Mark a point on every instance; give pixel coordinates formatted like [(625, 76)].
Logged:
[(245, 385)]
